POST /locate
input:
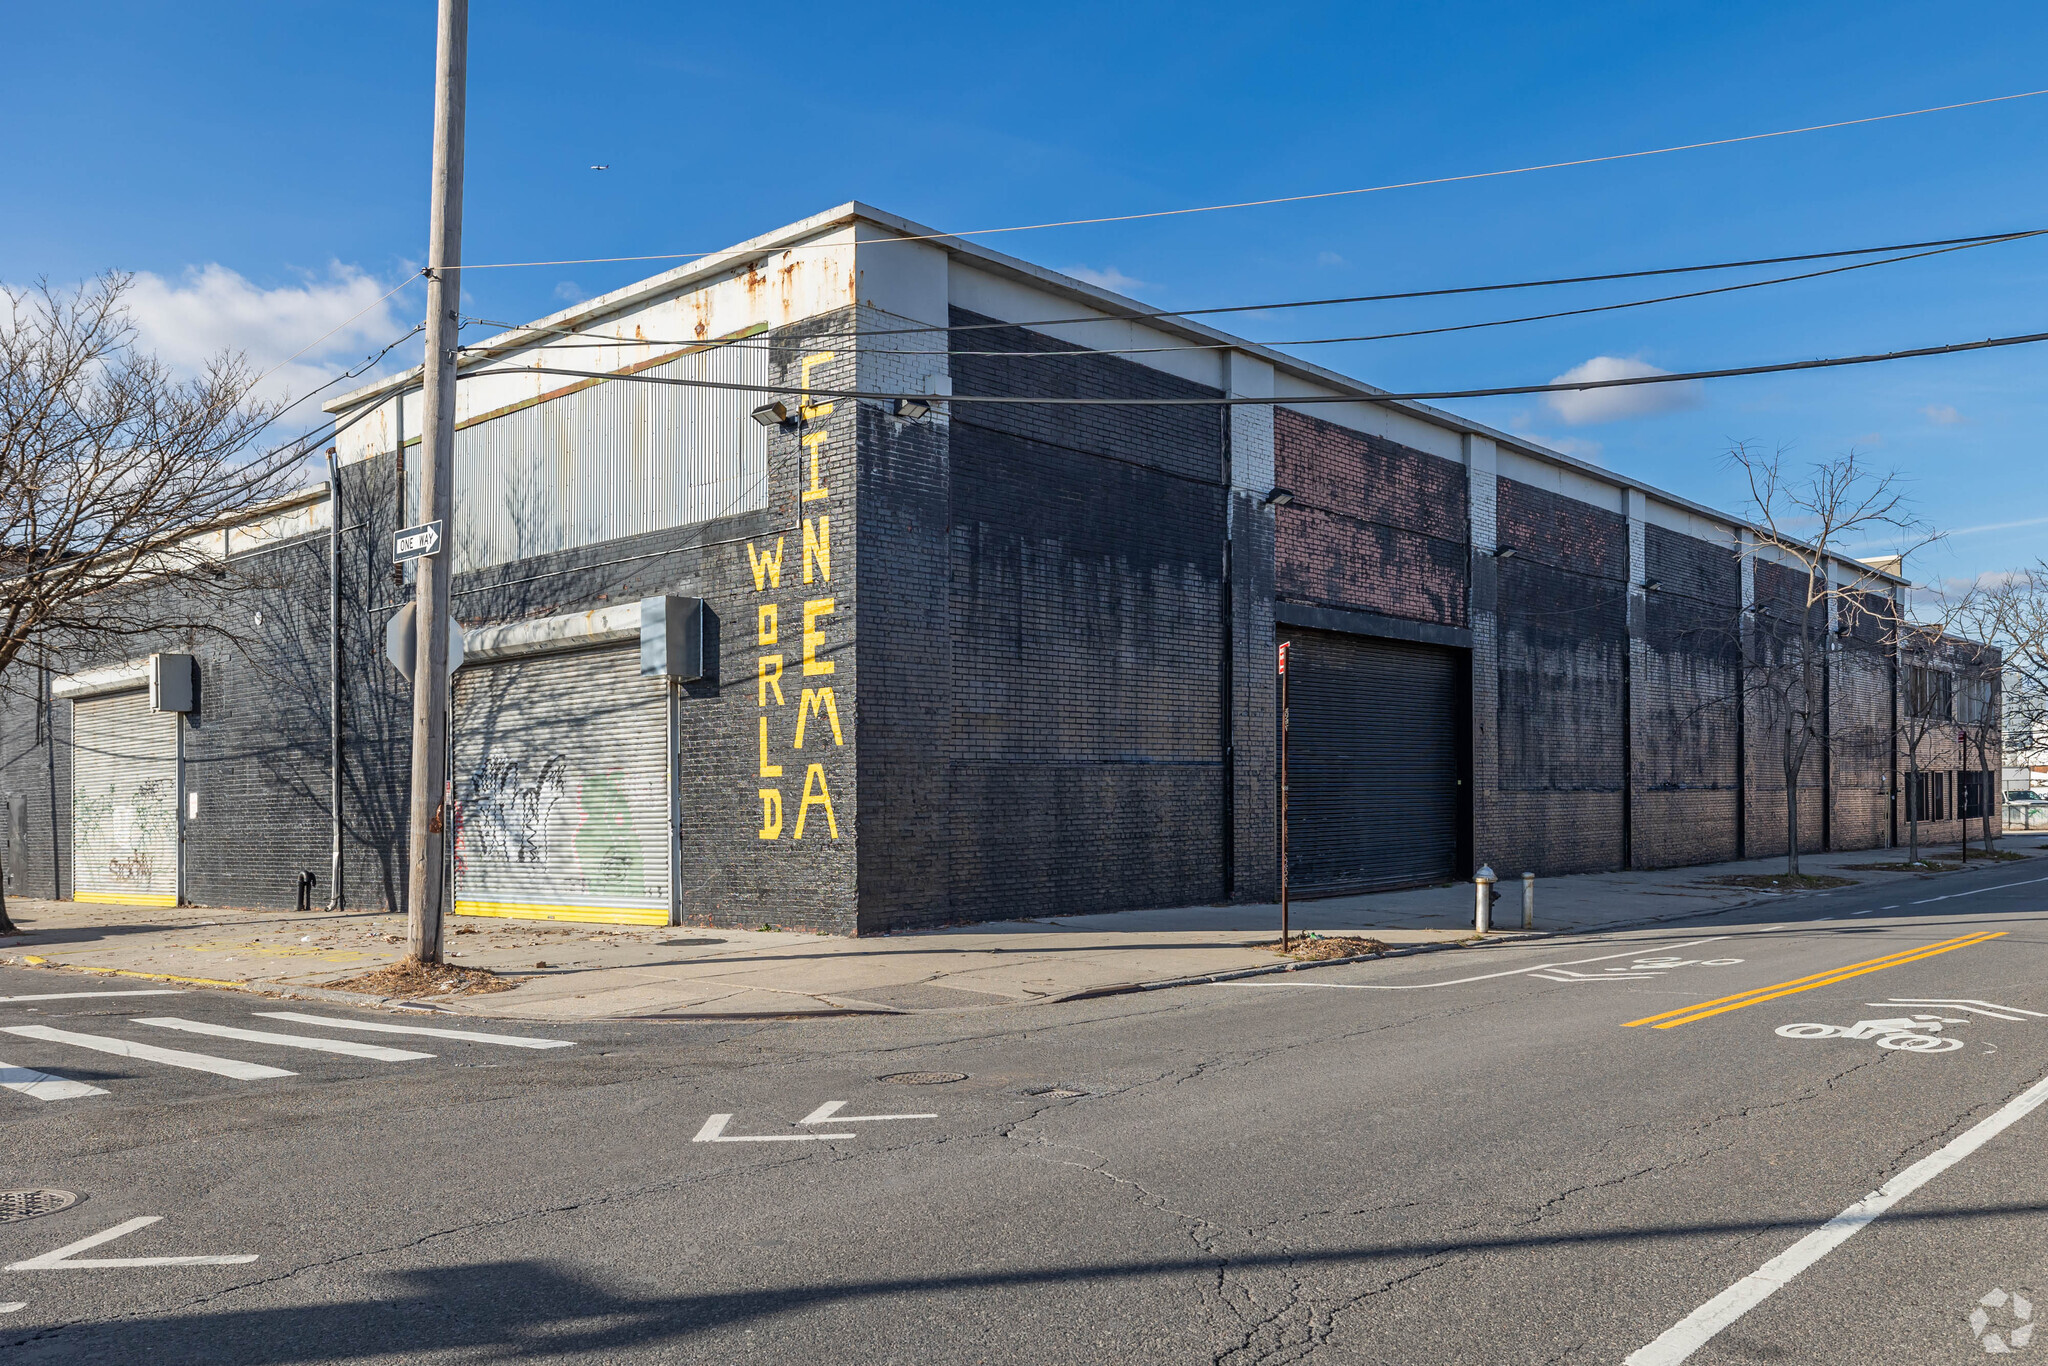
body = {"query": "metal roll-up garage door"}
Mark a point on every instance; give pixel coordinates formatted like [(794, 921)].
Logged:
[(124, 801), (562, 790), (1374, 759)]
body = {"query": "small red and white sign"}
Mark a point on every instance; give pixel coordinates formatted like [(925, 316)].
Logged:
[(1283, 656)]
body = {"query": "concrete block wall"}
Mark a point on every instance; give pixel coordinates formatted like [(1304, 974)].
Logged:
[(257, 751), (35, 771)]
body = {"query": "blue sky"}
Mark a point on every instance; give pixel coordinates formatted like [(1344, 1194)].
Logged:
[(264, 167)]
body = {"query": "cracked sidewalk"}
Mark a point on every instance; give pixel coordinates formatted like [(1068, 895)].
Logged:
[(575, 971)]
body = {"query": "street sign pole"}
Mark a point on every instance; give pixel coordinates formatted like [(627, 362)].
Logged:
[(1283, 796), (425, 879)]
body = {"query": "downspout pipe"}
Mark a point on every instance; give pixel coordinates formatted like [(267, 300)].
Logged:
[(334, 756)]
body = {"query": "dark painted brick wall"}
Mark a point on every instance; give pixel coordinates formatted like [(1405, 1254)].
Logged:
[(1563, 660), (1374, 525), (1687, 743), (1084, 753)]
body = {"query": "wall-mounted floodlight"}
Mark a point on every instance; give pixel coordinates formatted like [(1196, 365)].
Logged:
[(1652, 585), (1278, 498), (913, 409), (1506, 552), (772, 414)]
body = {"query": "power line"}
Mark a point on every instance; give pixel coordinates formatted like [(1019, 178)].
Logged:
[(1321, 194), (744, 344), (1289, 400), (1976, 239)]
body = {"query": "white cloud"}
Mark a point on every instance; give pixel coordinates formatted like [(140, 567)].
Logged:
[(1330, 258), (1109, 277), (1587, 406), (569, 292), (1944, 415), (335, 320)]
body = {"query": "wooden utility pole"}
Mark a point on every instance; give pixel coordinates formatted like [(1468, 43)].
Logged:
[(430, 814)]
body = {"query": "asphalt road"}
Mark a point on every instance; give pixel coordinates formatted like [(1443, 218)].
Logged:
[(1473, 1156)]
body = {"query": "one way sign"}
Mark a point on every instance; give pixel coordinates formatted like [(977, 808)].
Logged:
[(416, 541)]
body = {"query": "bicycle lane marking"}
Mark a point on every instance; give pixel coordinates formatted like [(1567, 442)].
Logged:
[(1699, 1327), (1671, 1019), (1485, 976)]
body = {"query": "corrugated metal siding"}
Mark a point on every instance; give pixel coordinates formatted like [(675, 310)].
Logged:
[(616, 459), (124, 801), (1372, 762), (561, 789)]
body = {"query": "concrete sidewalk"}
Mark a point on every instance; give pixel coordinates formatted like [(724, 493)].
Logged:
[(567, 972)]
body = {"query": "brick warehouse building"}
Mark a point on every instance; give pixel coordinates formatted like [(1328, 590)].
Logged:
[(994, 660)]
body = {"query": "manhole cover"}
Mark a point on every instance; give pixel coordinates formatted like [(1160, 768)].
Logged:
[(19, 1205), (925, 1078)]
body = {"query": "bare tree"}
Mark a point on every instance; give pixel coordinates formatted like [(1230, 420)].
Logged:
[(1804, 521), (2011, 615), (116, 480)]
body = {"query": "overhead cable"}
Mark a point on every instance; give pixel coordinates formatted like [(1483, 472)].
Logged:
[(1289, 400), (1316, 195), (587, 340)]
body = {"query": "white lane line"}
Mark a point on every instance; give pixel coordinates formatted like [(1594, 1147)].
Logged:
[(1979, 891), (1871, 911), (13, 1305), (43, 1086), (1696, 1329), (829, 1112), (172, 1057), (81, 995), (63, 1260), (347, 1047), (2003, 1012), (714, 1132), (1482, 977), (509, 1040)]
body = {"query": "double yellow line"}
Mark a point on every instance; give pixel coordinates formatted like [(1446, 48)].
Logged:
[(1670, 1019)]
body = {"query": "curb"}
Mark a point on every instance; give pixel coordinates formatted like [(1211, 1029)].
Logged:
[(412, 1004)]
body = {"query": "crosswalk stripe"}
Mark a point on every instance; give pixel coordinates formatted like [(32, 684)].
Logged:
[(170, 1057), (346, 1046), (42, 1085), (509, 1040), (78, 995)]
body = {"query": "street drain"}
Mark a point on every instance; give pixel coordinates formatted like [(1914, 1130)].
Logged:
[(18, 1205), (924, 1078)]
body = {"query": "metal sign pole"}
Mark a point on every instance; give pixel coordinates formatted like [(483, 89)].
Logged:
[(1283, 795)]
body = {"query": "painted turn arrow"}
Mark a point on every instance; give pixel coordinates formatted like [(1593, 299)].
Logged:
[(828, 1113), (714, 1132), (65, 1258)]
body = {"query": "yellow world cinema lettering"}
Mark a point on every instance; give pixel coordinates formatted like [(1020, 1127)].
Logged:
[(817, 702), (813, 441), (767, 568), (818, 548), (813, 638), (815, 776)]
